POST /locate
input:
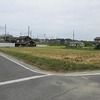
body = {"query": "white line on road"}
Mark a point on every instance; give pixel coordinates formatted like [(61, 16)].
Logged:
[(84, 74), (23, 65), (22, 80)]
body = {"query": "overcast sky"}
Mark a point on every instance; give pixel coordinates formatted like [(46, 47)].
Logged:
[(55, 18)]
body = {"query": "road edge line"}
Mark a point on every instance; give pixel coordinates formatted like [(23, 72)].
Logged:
[(23, 65), (21, 80)]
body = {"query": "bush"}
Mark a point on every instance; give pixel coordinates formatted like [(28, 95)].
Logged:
[(97, 47)]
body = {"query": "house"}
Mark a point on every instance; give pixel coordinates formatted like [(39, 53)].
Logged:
[(76, 44), (4, 43), (67, 41), (25, 41), (2, 39), (96, 41), (12, 39)]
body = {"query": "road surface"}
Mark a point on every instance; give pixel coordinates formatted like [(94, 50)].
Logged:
[(18, 82)]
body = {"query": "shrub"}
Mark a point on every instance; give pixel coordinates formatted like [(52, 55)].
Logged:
[(97, 47)]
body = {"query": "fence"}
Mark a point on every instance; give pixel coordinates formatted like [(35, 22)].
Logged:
[(7, 44)]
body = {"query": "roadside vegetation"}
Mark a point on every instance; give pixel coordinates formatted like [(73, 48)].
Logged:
[(97, 47), (58, 58)]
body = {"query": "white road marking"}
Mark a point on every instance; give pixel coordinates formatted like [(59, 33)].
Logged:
[(84, 74), (23, 65), (21, 80)]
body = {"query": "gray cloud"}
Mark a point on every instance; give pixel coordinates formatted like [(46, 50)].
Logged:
[(53, 17)]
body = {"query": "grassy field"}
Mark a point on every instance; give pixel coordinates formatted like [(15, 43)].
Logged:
[(57, 58)]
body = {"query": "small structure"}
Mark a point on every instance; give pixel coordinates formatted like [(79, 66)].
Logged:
[(13, 39), (2, 39), (67, 41), (25, 41), (96, 41), (76, 44)]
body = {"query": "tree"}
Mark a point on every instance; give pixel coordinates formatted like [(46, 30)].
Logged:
[(87, 43), (7, 36)]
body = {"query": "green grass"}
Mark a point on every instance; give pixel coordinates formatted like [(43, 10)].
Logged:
[(51, 64)]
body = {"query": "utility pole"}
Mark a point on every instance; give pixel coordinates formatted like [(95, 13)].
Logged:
[(31, 33), (20, 33), (73, 35), (28, 30), (44, 37), (5, 31)]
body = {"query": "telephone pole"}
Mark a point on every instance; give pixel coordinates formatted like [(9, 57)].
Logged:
[(73, 35), (28, 30), (5, 31), (31, 33), (20, 33)]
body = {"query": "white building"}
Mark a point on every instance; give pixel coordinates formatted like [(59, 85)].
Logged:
[(77, 43)]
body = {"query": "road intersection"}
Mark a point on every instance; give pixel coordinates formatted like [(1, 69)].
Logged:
[(19, 82)]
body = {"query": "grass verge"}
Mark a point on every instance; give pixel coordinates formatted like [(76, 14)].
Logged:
[(51, 64)]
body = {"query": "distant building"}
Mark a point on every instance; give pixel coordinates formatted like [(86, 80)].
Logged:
[(25, 41), (2, 39), (76, 43), (13, 39), (68, 41), (96, 41)]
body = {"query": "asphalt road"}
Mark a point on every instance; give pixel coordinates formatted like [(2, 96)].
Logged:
[(17, 82)]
